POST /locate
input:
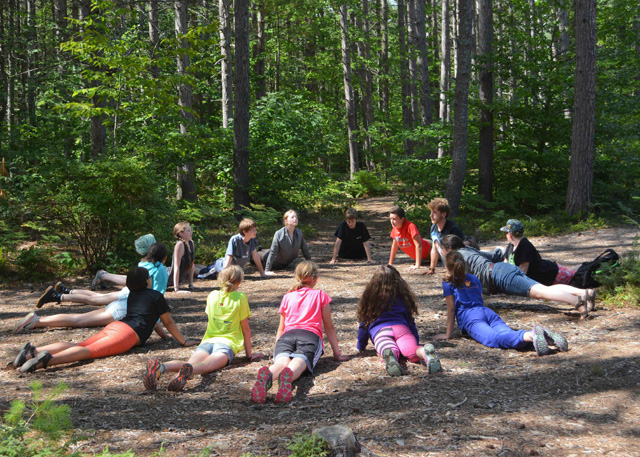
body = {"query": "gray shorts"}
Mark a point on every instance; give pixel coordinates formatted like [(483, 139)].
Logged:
[(211, 348), (301, 344)]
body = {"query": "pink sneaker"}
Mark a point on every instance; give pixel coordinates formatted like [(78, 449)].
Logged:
[(283, 395), (262, 385)]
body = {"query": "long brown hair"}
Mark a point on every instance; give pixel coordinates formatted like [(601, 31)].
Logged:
[(384, 288), (456, 268), (306, 273)]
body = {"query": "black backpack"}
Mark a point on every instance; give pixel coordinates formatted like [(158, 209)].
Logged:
[(584, 276)]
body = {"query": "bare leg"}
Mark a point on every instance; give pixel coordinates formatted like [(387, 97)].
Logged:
[(97, 318), (553, 293), (61, 354), (295, 364), (121, 280), (202, 362), (94, 299)]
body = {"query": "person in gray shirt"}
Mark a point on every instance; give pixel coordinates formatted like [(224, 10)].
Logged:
[(497, 276), (287, 244)]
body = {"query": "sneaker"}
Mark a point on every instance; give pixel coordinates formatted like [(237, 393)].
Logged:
[(26, 323), (32, 364), (96, 280), (583, 304), (391, 363), (556, 339), (152, 374), (262, 385), (24, 351), (178, 383), (540, 341), (431, 359), (61, 288), (285, 389), (49, 296), (591, 299)]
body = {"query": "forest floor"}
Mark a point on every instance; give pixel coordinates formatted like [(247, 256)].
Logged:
[(487, 402)]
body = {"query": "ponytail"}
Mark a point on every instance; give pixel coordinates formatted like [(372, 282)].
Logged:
[(306, 273), (456, 268)]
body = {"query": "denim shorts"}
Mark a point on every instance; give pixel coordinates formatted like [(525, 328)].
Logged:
[(509, 279), (211, 348)]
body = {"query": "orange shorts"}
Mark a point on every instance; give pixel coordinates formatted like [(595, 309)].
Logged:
[(115, 338)]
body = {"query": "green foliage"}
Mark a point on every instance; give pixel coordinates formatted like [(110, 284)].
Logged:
[(33, 429), (304, 445), (621, 284), (421, 180), (35, 264)]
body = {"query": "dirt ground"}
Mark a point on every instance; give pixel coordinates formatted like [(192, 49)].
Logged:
[(487, 402)]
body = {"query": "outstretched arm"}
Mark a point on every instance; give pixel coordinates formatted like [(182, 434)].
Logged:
[(336, 249), (330, 330), (394, 251), (418, 242), (451, 319), (170, 325)]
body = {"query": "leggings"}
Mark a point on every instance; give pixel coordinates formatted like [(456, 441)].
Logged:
[(115, 338), (486, 327), (399, 339)]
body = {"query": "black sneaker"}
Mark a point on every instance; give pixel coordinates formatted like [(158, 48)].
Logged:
[(49, 296), (61, 288), (24, 351)]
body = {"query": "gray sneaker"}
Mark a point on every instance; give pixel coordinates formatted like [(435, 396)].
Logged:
[(26, 323), (391, 363), (540, 341), (431, 359)]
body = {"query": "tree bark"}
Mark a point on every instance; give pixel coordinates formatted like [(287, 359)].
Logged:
[(445, 70), (225, 63), (407, 120), (98, 129), (364, 54), (258, 54), (422, 60), (31, 62), (384, 58), (411, 57), (461, 106), (348, 92), (583, 133), (154, 37), (186, 172), (485, 50), (241, 105)]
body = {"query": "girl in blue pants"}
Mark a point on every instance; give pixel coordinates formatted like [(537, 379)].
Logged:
[(463, 293)]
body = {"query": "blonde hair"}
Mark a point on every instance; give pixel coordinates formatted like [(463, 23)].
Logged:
[(306, 273), (230, 277), (179, 228), (246, 225), (286, 216)]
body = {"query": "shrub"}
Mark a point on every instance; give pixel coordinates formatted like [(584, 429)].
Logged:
[(621, 284), (36, 264), (304, 445)]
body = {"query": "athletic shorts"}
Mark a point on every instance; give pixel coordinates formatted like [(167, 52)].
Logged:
[(118, 308), (509, 279), (211, 348), (115, 338), (299, 343)]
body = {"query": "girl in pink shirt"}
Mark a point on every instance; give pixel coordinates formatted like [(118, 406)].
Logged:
[(303, 313)]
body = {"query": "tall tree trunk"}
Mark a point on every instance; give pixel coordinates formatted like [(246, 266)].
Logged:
[(242, 102), (412, 37), (384, 58), (154, 37), (226, 76), (9, 56), (186, 172), (422, 60), (98, 129), (60, 21), (563, 44), (445, 70), (583, 134), (31, 62), (435, 44), (258, 53), (636, 29), (485, 50), (461, 107), (364, 55), (349, 101), (407, 120)]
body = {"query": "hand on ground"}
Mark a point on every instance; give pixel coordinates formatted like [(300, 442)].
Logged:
[(440, 336)]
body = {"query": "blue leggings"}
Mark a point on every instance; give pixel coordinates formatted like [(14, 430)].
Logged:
[(487, 328)]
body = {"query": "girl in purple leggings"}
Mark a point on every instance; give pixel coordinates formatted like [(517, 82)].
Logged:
[(463, 293), (386, 313)]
